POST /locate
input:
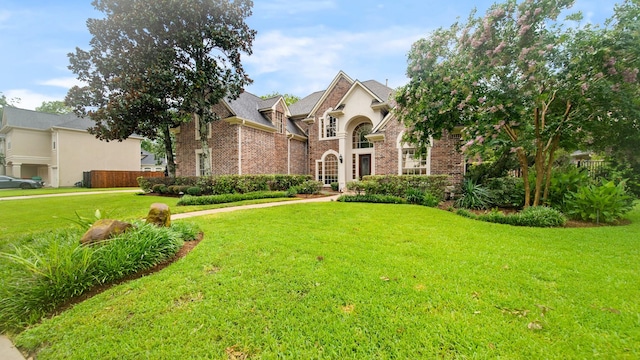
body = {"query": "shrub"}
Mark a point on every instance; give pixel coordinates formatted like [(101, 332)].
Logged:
[(228, 184), (473, 196), (292, 191), (373, 198), (565, 180), (335, 186), (55, 268), (414, 196), (227, 198), (534, 216), (309, 187), (160, 188), (194, 191), (505, 192), (607, 202), (397, 185), (430, 200)]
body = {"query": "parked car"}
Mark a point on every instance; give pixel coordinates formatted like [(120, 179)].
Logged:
[(7, 182)]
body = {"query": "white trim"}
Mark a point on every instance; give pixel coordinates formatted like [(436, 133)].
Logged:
[(326, 93), (400, 145), (198, 152), (351, 89), (320, 163)]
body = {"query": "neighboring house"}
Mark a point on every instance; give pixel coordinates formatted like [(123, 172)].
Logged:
[(149, 162), (337, 135), (58, 148)]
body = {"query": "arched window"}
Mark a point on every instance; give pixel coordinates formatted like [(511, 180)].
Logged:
[(328, 169), (359, 139)]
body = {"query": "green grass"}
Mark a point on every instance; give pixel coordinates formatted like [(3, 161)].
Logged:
[(62, 190), (350, 280), (20, 217)]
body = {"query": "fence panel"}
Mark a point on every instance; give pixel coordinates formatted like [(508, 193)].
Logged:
[(114, 178)]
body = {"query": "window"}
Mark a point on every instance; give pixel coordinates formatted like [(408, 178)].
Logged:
[(359, 136), (200, 162), (278, 122), (412, 165), (328, 169), (53, 145), (328, 127), (196, 123)]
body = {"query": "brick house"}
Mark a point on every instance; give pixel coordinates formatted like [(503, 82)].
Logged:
[(337, 135)]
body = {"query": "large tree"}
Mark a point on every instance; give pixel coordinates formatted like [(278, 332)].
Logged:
[(516, 78), (54, 107), (155, 64)]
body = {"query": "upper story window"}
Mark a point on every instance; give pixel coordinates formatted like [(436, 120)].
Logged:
[(328, 127), (412, 165), (359, 136), (278, 122)]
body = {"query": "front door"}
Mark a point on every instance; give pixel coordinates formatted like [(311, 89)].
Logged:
[(365, 165)]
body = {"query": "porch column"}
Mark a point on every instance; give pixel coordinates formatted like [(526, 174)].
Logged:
[(17, 170), (342, 165)]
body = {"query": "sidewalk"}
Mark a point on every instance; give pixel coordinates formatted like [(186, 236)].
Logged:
[(9, 352)]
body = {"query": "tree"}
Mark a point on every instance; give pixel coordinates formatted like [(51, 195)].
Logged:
[(155, 64), (54, 107), (518, 79), (288, 98), (7, 102)]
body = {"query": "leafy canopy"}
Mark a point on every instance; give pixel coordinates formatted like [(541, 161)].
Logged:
[(519, 79)]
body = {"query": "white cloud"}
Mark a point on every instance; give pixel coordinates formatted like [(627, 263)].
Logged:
[(66, 82), (27, 99), (292, 7), (307, 62)]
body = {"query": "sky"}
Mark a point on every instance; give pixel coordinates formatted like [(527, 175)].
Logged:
[(299, 48)]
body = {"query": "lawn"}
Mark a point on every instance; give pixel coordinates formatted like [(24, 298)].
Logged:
[(349, 280), (39, 214), (61, 190)]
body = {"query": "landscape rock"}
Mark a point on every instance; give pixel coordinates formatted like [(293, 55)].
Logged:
[(104, 229), (159, 215)]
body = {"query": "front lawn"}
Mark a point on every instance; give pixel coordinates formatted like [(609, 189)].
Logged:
[(351, 280)]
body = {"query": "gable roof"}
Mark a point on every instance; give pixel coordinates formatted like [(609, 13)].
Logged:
[(340, 75), (303, 106), (381, 91), (246, 106), (147, 158)]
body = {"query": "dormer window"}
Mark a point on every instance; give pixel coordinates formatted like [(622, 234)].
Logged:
[(328, 127), (278, 122)]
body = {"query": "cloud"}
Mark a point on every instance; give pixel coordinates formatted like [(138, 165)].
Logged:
[(66, 82), (27, 99), (307, 62), (278, 8)]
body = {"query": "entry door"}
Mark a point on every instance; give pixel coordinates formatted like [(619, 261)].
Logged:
[(365, 165)]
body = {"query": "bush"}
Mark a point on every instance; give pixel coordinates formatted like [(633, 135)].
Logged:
[(228, 184), (160, 189), (373, 198), (227, 198), (414, 196), (398, 185), (507, 192), (335, 186), (292, 191), (55, 268), (473, 196), (194, 191), (309, 187), (430, 200), (606, 203), (534, 216), (565, 180)]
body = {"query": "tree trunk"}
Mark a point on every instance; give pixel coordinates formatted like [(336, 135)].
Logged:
[(552, 151), (524, 166), (540, 157), (168, 149)]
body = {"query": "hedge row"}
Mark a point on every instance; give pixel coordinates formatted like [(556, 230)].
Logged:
[(533, 216), (398, 185), (373, 198), (222, 184), (227, 198)]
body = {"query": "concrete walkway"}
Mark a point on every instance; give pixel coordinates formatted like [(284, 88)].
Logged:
[(9, 352)]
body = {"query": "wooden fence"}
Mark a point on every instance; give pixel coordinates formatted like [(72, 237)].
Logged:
[(115, 178)]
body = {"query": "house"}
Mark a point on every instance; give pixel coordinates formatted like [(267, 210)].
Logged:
[(340, 134), (149, 162), (58, 148)]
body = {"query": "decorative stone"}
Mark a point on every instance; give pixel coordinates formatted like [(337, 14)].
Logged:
[(159, 215), (104, 229)]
